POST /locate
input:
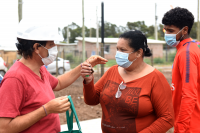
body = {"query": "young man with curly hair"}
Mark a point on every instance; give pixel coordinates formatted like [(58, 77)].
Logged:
[(185, 71)]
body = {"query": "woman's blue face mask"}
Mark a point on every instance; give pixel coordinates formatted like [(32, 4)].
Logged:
[(171, 39), (122, 59)]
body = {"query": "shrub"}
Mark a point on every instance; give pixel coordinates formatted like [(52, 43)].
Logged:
[(171, 57), (158, 60)]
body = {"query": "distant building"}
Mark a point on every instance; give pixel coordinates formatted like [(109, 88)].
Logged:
[(9, 54), (110, 46), (66, 47)]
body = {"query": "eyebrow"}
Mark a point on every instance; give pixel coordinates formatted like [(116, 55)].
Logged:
[(169, 28)]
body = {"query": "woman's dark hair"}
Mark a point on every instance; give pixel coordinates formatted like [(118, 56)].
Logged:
[(137, 41), (25, 47), (179, 17)]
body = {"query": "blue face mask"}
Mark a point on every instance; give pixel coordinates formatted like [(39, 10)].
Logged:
[(171, 39), (122, 59)]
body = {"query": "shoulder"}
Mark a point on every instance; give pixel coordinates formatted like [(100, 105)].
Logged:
[(190, 50), (191, 47), (158, 74), (113, 68), (16, 70), (158, 77)]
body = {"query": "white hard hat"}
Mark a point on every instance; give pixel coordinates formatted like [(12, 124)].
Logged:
[(35, 30)]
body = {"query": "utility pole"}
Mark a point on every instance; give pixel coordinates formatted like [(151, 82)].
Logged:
[(83, 33), (20, 2), (97, 36), (63, 61), (102, 36), (90, 29), (155, 28), (56, 65), (68, 34), (198, 38)]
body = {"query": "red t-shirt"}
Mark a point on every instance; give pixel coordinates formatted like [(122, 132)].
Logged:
[(22, 91), (145, 105), (186, 87)]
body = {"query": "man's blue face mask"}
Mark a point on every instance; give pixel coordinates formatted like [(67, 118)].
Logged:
[(171, 39), (122, 59)]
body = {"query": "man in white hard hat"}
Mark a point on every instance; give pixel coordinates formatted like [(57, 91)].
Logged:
[(27, 101)]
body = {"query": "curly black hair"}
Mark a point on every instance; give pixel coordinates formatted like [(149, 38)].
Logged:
[(179, 17), (25, 47), (137, 40)]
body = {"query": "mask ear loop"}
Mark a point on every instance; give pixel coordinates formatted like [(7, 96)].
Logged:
[(182, 36), (43, 46), (40, 56), (134, 59)]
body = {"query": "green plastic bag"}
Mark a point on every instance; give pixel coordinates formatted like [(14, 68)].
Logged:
[(70, 119)]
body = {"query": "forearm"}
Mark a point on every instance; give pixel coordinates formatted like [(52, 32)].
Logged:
[(21, 123), (185, 113), (68, 78), (91, 96)]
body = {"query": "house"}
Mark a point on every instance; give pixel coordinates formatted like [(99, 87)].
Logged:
[(110, 46), (66, 47), (9, 54)]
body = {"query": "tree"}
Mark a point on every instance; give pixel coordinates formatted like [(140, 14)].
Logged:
[(112, 30), (193, 32), (75, 31), (160, 32), (64, 33), (139, 25), (150, 32)]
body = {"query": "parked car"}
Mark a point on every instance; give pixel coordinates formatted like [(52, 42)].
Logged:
[(3, 68), (52, 67)]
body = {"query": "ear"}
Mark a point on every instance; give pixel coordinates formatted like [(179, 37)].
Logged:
[(35, 47), (139, 53), (185, 30)]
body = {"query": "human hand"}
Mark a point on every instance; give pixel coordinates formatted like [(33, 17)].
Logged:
[(86, 72), (57, 105), (96, 59)]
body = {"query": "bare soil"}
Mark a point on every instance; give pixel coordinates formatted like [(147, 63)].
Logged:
[(86, 112)]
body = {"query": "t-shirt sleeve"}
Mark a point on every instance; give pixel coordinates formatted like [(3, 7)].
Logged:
[(52, 79), (161, 99), (189, 74), (92, 92), (11, 97)]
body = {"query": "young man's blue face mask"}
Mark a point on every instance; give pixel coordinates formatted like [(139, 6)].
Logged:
[(122, 59), (171, 39)]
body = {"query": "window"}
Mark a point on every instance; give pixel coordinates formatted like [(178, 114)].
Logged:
[(106, 49)]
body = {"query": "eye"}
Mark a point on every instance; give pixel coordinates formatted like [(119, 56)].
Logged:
[(170, 31)]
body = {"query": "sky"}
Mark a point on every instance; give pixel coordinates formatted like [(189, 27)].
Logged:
[(64, 12)]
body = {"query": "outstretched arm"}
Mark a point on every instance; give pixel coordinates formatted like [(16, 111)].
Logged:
[(68, 78)]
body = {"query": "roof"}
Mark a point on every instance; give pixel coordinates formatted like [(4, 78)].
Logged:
[(65, 44), (8, 48), (115, 40)]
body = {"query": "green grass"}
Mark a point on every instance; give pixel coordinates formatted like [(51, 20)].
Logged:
[(110, 63)]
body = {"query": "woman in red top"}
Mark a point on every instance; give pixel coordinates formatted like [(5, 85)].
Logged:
[(134, 96), (27, 101)]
